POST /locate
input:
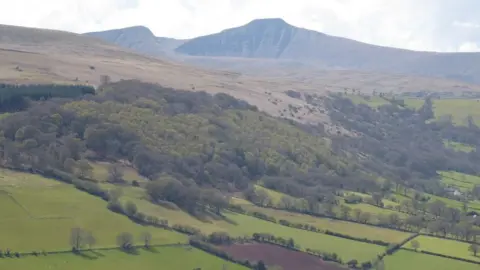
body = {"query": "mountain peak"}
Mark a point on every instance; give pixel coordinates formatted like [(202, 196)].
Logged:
[(269, 21)]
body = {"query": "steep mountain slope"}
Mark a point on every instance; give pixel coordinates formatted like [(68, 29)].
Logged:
[(139, 38), (276, 39), (275, 51)]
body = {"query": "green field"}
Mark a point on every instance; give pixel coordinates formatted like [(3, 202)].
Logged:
[(346, 249), (458, 146), (159, 258), (348, 228), (460, 109), (403, 260), (445, 247), (274, 195), (100, 172), (414, 103), (38, 214), (372, 101)]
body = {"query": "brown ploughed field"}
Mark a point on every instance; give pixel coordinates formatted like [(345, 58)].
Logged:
[(273, 255)]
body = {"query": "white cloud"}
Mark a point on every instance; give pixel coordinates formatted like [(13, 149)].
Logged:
[(469, 47), (442, 25)]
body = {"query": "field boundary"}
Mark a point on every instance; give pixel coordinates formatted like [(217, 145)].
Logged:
[(327, 232), (53, 252), (442, 255)]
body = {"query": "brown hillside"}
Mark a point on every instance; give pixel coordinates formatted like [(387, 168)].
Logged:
[(30, 55)]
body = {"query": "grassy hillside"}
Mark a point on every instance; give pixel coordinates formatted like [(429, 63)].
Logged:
[(38, 214), (411, 260), (343, 227), (157, 258), (345, 248), (445, 247)]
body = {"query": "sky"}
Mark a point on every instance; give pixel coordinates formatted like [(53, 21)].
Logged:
[(430, 25)]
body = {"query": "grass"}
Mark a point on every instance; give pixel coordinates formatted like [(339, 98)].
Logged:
[(157, 258), (445, 247), (372, 101), (344, 227), (274, 195), (460, 109), (100, 172), (386, 202), (404, 259), (3, 115), (346, 249), (414, 103), (458, 146), (47, 210)]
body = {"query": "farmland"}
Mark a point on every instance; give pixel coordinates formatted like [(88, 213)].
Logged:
[(343, 227), (444, 247), (346, 249), (459, 108), (277, 256), (372, 101), (458, 146), (157, 258), (100, 172), (404, 259), (38, 214)]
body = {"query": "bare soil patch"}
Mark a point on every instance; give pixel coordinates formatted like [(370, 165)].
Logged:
[(273, 255)]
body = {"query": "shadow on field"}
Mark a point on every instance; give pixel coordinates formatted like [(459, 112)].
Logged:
[(151, 249), (85, 255), (96, 253), (130, 251), (209, 216)]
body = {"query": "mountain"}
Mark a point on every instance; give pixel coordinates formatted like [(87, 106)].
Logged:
[(276, 39), (139, 38), (31, 55)]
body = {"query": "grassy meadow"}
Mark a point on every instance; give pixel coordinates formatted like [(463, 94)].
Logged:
[(100, 172), (372, 101), (458, 146), (404, 259), (343, 227), (158, 258), (38, 214), (444, 247)]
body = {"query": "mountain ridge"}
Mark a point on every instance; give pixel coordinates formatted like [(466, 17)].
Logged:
[(276, 39)]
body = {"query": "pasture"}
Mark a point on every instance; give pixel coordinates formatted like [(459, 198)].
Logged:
[(460, 109), (274, 195), (458, 146), (404, 259), (372, 101), (343, 227), (346, 249), (157, 258), (444, 247), (100, 172), (39, 214)]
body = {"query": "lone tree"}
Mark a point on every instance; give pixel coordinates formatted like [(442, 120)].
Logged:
[(130, 209), (84, 169), (146, 237), (125, 240), (77, 238), (415, 245), (115, 174), (474, 248)]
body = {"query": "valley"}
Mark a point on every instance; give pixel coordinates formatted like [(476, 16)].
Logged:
[(112, 159)]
